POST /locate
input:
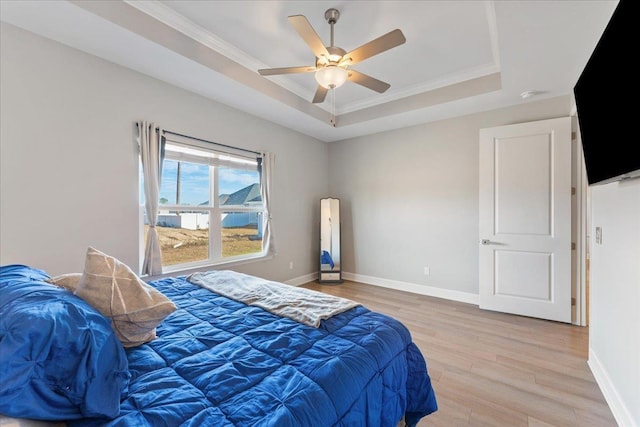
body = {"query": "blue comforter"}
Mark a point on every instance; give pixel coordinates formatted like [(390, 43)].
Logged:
[(217, 362)]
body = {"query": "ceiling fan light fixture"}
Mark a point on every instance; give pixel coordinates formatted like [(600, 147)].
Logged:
[(331, 76)]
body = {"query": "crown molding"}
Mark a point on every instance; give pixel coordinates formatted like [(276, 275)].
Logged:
[(170, 17), (441, 95), (469, 74), (490, 10)]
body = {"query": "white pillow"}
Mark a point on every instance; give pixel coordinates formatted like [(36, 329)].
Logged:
[(134, 307)]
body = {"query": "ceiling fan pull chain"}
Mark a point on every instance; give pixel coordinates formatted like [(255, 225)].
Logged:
[(332, 119)]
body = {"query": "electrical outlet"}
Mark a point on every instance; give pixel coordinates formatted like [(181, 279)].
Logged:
[(427, 271), (290, 265)]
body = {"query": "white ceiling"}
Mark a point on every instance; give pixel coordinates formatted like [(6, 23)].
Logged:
[(460, 57)]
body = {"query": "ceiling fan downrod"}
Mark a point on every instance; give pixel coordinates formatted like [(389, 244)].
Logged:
[(332, 15)]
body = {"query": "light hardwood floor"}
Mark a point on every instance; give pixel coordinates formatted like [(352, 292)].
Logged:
[(493, 369)]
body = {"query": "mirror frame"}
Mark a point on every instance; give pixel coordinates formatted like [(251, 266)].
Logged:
[(333, 254)]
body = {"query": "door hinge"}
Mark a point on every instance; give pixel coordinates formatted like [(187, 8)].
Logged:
[(573, 246), (574, 137), (573, 191), (573, 301)]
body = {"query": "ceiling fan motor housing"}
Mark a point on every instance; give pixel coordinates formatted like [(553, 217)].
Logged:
[(335, 55)]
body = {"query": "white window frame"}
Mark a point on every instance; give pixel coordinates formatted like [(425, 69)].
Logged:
[(196, 152)]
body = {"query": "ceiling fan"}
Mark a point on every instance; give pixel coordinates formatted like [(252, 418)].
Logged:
[(332, 62)]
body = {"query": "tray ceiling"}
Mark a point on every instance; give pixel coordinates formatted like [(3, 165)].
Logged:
[(460, 57)]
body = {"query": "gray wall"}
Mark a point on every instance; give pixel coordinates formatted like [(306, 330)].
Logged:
[(69, 160), (614, 330), (410, 197)]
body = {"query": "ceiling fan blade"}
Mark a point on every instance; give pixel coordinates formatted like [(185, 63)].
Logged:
[(374, 47), (368, 81), (321, 94), (287, 70), (309, 35)]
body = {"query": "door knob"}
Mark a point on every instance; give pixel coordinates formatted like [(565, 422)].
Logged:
[(485, 241)]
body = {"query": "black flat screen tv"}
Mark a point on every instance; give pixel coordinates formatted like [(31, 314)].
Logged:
[(606, 97)]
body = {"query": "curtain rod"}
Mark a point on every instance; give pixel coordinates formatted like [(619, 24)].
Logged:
[(209, 142)]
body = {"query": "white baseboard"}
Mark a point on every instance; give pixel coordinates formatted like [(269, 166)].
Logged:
[(618, 408), (431, 291), (301, 280)]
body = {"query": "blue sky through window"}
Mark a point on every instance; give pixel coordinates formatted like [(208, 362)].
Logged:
[(194, 182)]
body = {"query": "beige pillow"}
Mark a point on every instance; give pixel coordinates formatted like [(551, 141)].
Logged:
[(68, 281), (135, 308)]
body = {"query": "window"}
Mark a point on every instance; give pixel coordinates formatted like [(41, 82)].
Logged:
[(210, 206)]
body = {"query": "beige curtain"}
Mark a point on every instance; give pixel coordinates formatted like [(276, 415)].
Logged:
[(151, 143), (266, 177)]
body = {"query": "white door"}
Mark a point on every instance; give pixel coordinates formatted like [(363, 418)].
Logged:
[(525, 219)]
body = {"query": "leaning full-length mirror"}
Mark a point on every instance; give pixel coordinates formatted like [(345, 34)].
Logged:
[(330, 265)]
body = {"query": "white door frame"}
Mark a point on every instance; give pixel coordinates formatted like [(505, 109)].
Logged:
[(580, 226)]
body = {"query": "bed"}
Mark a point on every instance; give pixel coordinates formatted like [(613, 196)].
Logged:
[(214, 361)]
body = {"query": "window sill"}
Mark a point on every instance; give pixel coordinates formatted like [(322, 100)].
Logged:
[(181, 271)]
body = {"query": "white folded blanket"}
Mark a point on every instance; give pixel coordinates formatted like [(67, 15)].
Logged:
[(299, 304)]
